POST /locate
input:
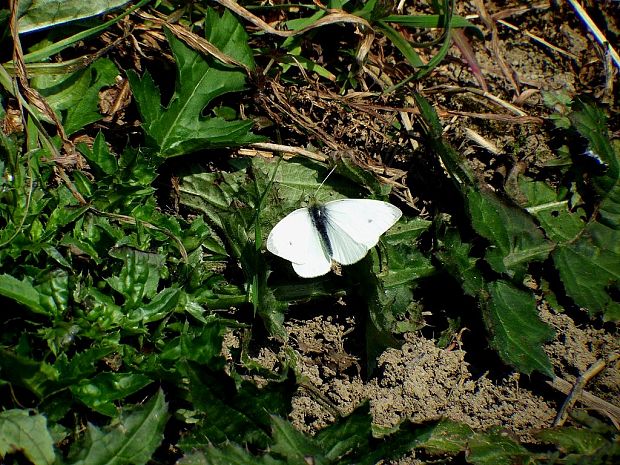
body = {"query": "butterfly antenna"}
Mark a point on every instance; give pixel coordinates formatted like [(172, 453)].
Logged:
[(325, 179)]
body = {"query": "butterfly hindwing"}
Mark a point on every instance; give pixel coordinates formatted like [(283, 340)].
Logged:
[(318, 266), (345, 249)]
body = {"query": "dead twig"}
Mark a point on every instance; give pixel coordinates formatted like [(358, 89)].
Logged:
[(333, 17), (194, 41), (596, 32), (489, 22), (267, 146), (539, 39), (576, 393)]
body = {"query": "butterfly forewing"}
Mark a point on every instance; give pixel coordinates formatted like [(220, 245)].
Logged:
[(363, 220), (296, 239)]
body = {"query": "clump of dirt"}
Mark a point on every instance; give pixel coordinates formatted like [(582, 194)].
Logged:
[(419, 381), (423, 382)]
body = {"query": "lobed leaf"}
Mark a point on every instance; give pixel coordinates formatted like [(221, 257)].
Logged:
[(181, 127)]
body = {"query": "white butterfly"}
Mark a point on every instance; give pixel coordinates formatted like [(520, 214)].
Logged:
[(342, 230)]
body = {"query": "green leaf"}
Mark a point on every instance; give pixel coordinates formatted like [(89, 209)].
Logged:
[(428, 21), (591, 123), (292, 444), (22, 292), (35, 376), (75, 96), (495, 449), (457, 259), (349, 435), (587, 256), (573, 440), (447, 436), (163, 304), (559, 223), (180, 128), (401, 44), (100, 392), (130, 439), (40, 14), (139, 276), (590, 269), (517, 333), (202, 344), (81, 365), (26, 432), (53, 290), (444, 436), (229, 454), (99, 158), (240, 413), (515, 239), (453, 163)]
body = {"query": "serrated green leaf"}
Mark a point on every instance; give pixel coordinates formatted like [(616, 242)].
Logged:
[(202, 345), (99, 157), (53, 288), (180, 128), (229, 454), (406, 231), (515, 239), (238, 414), (348, 435), (590, 269), (26, 432), (131, 439), (495, 449), (292, 444), (81, 365), (162, 304), (517, 333), (229, 36), (139, 276), (76, 95), (448, 437), (573, 440), (560, 224), (406, 438), (23, 371), (102, 313), (591, 123), (458, 261), (100, 392), (22, 292)]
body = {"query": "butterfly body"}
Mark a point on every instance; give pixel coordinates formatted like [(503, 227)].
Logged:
[(342, 230)]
